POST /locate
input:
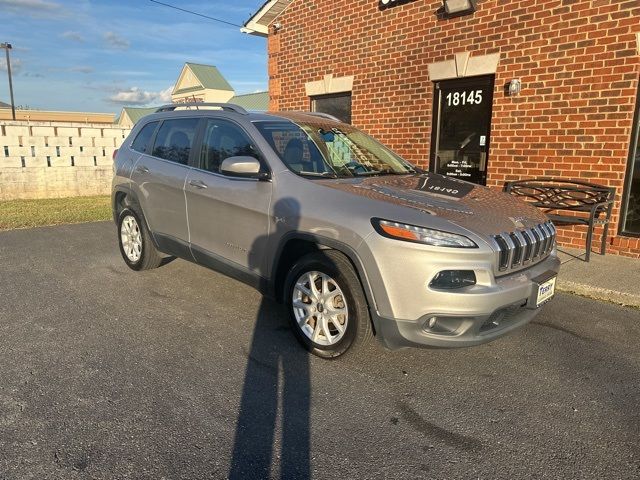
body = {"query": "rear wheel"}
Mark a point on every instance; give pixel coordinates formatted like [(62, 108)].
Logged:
[(136, 246), (327, 307)]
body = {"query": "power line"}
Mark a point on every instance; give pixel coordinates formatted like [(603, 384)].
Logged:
[(197, 14)]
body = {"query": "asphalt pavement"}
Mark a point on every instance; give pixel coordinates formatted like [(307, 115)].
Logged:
[(182, 373)]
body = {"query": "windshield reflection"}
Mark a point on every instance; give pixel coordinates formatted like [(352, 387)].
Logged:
[(330, 150)]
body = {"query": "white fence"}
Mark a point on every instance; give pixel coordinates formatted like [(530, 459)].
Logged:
[(43, 160)]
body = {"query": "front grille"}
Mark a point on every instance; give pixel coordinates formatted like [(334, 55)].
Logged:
[(521, 248), (501, 318)]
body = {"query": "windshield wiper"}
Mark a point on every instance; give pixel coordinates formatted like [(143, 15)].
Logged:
[(319, 174)]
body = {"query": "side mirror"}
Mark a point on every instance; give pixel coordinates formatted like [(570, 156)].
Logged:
[(240, 166)]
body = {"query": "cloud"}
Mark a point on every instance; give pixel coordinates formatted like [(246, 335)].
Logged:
[(165, 95), (31, 7), (136, 96), (115, 41), (74, 36), (81, 69), (16, 65)]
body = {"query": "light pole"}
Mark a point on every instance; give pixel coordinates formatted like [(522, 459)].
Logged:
[(7, 47)]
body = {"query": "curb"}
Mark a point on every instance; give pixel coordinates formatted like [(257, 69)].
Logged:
[(597, 293)]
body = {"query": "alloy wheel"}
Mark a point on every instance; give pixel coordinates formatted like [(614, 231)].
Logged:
[(131, 238), (320, 308)]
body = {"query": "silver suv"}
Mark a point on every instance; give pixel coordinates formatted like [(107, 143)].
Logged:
[(352, 238)]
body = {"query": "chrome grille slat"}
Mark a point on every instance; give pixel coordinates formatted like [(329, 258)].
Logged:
[(545, 240), (549, 241), (528, 249), (519, 260), (524, 247), (538, 239), (511, 248)]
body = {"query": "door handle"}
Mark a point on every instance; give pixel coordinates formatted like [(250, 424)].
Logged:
[(142, 169), (197, 184)]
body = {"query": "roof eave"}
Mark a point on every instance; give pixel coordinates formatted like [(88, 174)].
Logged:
[(253, 25), (253, 28)]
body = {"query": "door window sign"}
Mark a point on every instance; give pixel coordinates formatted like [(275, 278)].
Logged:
[(483, 140)]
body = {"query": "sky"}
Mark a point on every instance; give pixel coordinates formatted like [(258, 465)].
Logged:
[(100, 55)]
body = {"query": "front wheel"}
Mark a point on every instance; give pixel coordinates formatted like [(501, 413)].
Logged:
[(327, 307)]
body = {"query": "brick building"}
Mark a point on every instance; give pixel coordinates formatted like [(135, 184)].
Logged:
[(434, 85)]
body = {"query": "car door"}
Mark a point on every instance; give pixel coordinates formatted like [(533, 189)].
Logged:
[(228, 215), (158, 178)]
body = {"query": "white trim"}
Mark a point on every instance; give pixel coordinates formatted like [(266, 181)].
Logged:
[(329, 84), (464, 65)]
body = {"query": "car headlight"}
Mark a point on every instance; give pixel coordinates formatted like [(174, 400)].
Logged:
[(427, 236)]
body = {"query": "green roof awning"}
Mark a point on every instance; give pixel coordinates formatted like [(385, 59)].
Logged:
[(136, 113), (252, 101)]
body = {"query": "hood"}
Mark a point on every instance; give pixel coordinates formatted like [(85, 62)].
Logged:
[(474, 207)]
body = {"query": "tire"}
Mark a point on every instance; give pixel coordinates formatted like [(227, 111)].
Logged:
[(143, 255), (316, 318)]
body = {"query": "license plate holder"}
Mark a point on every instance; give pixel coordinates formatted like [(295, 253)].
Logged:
[(544, 289)]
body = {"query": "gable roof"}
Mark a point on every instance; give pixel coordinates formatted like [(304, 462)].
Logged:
[(252, 101), (136, 113), (258, 23), (208, 75), (4, 105)]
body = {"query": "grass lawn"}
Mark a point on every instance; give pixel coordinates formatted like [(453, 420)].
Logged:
[(53, 211)]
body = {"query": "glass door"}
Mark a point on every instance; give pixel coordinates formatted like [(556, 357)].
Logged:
[(462, 125)]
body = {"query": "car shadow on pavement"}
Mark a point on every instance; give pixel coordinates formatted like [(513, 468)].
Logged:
[(276, 393)]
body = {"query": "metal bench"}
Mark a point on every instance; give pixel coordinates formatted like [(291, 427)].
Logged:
[(584, 203)]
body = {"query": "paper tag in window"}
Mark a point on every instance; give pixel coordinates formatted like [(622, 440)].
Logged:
[(483, 140)]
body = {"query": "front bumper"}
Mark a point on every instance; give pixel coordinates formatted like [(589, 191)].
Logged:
[(469, 316)]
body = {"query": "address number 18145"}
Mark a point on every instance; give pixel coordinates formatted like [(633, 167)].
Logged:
[(474, 97)]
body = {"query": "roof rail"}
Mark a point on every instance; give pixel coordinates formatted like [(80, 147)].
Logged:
[(223, 106)]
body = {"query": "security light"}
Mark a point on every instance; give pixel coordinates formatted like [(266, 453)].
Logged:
[(455, 8), (515, 87)]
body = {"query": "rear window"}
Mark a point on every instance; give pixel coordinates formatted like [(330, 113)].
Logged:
[(143, 138), (175, 139)]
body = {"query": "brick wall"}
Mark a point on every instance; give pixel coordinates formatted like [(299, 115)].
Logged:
[(43, 160), (577, 59)]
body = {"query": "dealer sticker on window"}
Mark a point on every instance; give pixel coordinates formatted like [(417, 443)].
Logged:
[(546, 290)]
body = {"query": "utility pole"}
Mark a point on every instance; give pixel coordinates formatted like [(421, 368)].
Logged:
[(7, 47)]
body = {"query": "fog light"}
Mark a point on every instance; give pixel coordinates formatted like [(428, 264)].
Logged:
[(453, 279), (444, 325)]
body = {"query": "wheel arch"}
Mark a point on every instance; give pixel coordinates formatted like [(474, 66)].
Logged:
[(296, 244), (123, 197)]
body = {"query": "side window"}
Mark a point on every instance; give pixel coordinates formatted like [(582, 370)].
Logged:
[(174, 140), (223, 140), (144, 137)]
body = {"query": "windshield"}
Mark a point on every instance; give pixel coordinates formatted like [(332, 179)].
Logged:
[(330, 149)]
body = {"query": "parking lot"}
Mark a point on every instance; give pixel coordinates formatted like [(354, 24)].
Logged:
[(183, 373)]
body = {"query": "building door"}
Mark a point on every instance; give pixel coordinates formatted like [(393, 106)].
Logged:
[(461, 128)]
